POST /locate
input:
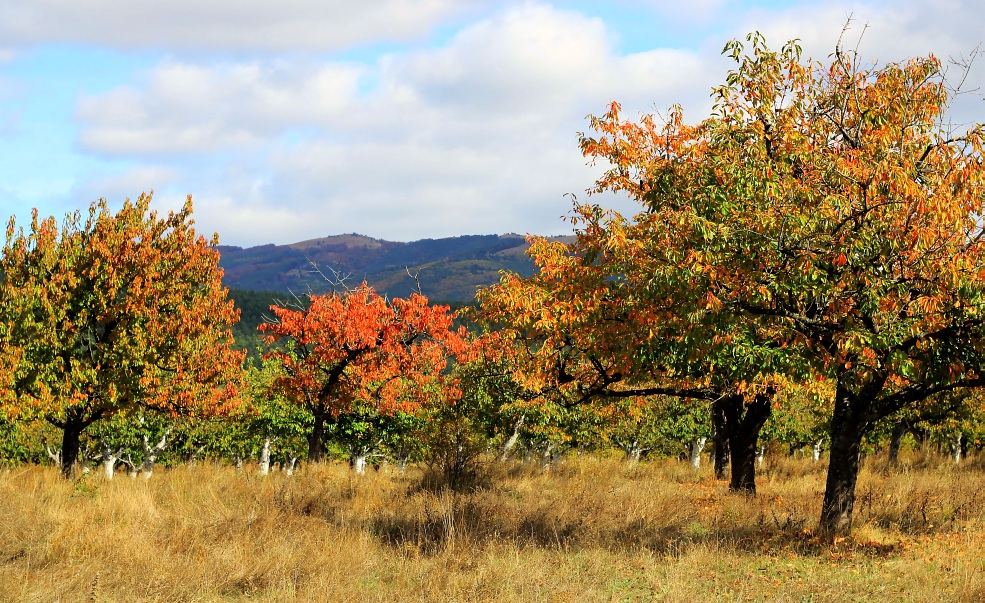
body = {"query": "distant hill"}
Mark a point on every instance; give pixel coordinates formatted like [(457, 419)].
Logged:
[(449, 269)]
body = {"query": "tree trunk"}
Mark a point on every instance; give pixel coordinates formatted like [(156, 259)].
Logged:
[(760, 455), (719, 439), (816, 451), (238, 462), (131, 467), (512, 440), (895, 439), (316, 439), (291, 465), (956, 448), (633, 452), (847, 430), (151, 453), (71, 432), (743, 423), (110, 458), (358, 462), (697, 445), (265, 456), (54, 455), (547, 458)]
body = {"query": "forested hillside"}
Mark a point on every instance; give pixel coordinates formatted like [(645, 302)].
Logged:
[(449, 269)]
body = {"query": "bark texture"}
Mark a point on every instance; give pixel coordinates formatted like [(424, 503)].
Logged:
[(847, 428), (316, 439), (264, 468), (743, 422), (719, 439)]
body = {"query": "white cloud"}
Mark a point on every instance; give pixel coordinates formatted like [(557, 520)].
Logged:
[(189, 108), (475, 136), (221, 24)]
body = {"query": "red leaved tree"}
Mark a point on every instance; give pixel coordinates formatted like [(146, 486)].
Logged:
[(360, 347)]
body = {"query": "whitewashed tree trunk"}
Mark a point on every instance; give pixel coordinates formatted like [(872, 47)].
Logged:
[(547, 458), (192, 458), (110, 458), (86, 457), (816, 451), (54, 455), (512, 440), (697, 445), (131, 466), (358, 461), (633, 452), (402, 463), (265, 456), (238, 462), (127, 462), (292, 463), (151, 453), (760, 455), (956, 448)]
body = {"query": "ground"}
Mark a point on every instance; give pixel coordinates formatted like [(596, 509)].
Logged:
[(591, 530)]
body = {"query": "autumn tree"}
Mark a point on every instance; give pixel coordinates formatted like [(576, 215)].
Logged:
[(355, 347), (618, 314), (114, 311), (839, 215)]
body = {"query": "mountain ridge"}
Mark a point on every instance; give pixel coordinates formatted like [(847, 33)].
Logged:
[(448, 269)]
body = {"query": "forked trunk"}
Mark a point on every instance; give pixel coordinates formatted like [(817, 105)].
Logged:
[(110, 458), (843, 466), (743, 423), (132, 470), (719, 439), (291, 465), (151, 453), (697, 445)]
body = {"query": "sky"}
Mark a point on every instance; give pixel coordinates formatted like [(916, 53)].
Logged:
[(398, 119)]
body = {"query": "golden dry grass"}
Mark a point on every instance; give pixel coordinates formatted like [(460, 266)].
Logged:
[(591, 531)]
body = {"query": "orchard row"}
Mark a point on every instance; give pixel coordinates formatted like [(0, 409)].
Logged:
[(806, 270)]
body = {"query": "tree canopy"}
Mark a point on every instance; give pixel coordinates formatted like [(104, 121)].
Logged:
[(114, 311)]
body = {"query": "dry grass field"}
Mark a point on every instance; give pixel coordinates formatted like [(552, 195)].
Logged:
[(590, 531)]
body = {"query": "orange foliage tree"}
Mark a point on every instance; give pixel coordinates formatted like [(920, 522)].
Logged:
[(358, 347), (614, 315), (112, 312), (829, 207)]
